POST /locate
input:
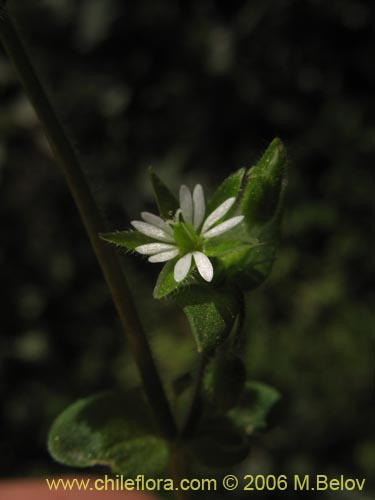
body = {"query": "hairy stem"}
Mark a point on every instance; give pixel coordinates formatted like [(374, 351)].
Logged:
[(107, 257)]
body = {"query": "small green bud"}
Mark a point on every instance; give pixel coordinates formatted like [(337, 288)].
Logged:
[(264, 185)]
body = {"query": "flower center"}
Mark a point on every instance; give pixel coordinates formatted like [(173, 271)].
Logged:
[(186, 237)]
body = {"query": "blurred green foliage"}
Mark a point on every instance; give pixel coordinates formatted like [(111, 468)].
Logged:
[(197, 89)]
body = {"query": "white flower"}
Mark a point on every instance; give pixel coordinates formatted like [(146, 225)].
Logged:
[(167, 245)]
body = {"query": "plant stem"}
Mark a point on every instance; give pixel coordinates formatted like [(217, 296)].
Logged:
[(196, 402), (236, 338), (179, 470), (107, 257), (239, 337)]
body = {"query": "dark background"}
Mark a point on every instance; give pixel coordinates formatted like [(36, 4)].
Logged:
[(197, 89)]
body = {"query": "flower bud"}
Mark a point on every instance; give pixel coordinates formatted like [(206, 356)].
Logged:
[(264, 185)]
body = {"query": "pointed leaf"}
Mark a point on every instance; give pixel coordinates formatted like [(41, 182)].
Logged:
[(249, 268), (226, 248), (166, 201), (110, 428), (211, 313), (230, 187), (256, 404), (126, 239), (166, 284)]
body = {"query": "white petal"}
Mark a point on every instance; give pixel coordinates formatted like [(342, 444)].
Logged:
[(199, 205), (157, 221), (204, 266), (154, 248), (223, 227), (218, 213), (186, 204), (164, 256), (151, 231), (182, 267)]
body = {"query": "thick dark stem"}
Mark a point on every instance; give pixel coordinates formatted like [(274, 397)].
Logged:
[(195, 411), (107, 257)]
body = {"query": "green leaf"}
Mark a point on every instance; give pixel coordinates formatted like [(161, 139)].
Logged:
[(211, 313), (148, 455), (256, 403), (127, 239), (110, 428), (166, 284), (249, 267), (166, 201), (264, 185), (229, 188), (260, 259), (218, 443), (228, 249)]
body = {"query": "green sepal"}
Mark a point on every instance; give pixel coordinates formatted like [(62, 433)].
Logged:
[(166, 201), (224, 380), (185, 236), (211, 313), (111, 428), (230, 187), (166, 284), (127, 239), (256, 403), (264, 185), (218, 443), (249, 267), (231, 247), (229, 251)]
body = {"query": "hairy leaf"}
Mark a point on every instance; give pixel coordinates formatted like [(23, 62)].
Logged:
[(126, 239), (166, 201), (211, 313), (250, 267), (166, 283), (110, 428), (257, 401), (230, 187)]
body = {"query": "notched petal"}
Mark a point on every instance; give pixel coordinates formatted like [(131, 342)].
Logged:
[(182, 267), (157, 221), (151, 231), (186, 204), (164, 256), (154, 248), (223, 227), (218, 213), (199, 206), (204, 266)]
